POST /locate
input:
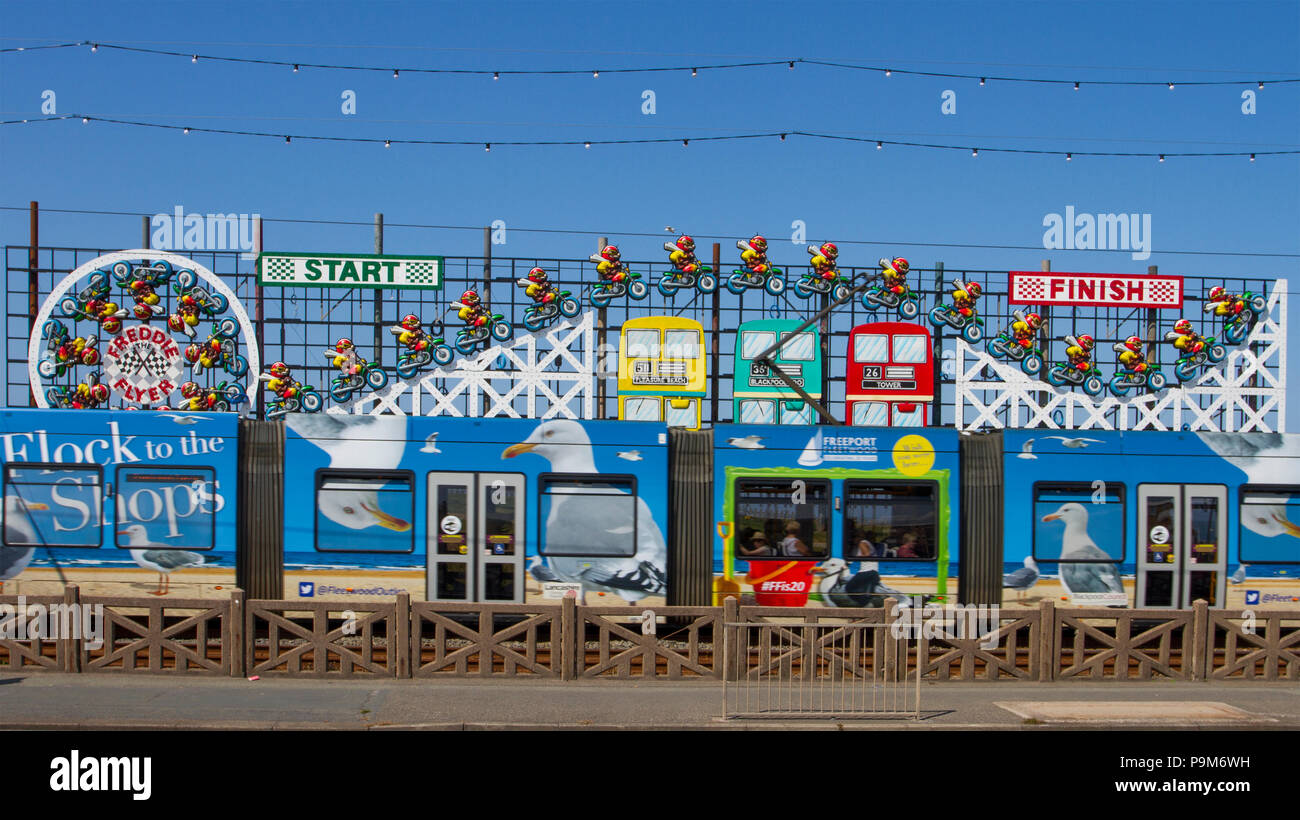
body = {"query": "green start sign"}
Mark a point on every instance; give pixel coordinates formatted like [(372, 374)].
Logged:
[(356, 270)]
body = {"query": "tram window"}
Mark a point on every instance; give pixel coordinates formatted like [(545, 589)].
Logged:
[(681, 344), (796, 412), (911, 348), (499, 506), (451, 506), (907, 414), (896, 521), (870, 414), (684, 415), (1270, 525), (793, 514), (642, 344), (365, 511), (175, 505), (587, 516), (757, 411), (641, 409), (870, 347), (802, 348), (754, 342), (1096, 507), (55, 505)]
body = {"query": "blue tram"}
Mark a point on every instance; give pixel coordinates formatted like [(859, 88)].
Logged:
[(339, 507)]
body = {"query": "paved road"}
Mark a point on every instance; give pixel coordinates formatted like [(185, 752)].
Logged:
[(110, 701)]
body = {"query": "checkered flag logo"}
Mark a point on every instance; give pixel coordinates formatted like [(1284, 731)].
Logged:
[(1030, 289), (422, 273), (130, 361), (156, 363), (277, 269), (1163, 291)]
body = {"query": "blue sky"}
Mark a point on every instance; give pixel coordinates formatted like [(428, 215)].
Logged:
[(842, 191)]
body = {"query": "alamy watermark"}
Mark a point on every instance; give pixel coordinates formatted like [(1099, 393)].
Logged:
[(53, 622), (203, 232), (956, 622), (1100, 232), (75, 773)]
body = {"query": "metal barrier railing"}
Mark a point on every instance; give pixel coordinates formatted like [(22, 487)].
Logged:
[(819, 670)]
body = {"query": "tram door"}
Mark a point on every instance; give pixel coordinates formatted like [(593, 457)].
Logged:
[(1182, 545), (476, 537)]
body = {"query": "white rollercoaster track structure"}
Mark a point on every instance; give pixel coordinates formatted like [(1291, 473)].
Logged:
[(459, 388), (1219, 399)]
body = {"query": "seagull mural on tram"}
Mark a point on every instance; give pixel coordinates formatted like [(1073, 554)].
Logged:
[(18, 531), (1084, 566), (584, 519), (163, 559), (355, 442)]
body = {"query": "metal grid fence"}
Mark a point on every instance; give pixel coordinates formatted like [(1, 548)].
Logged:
[(298, 324)]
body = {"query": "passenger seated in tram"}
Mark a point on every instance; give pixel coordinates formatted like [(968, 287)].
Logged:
[(756, 545)]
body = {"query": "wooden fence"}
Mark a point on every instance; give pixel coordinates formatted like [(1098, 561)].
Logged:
[(399, 638)]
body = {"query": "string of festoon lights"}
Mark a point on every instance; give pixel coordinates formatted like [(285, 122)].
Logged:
[(685, 141), (595, 72)]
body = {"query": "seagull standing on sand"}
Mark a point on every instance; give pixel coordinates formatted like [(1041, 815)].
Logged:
[(355, 442), (161, 558), (586, 519), (1239, 576), (1077, 545), (18, 530), (1023, 578)]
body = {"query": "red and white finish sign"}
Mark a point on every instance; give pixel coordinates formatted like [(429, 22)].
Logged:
[(1095, 289)]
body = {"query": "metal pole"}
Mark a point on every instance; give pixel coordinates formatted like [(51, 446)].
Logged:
[(826, 351), (781, 342), (259, 317), (715, 364), (33, 280), (487, 291), (602, 335), (146, 242), (1153, 326), (1046, 312), (936, 351), (379, 293)]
